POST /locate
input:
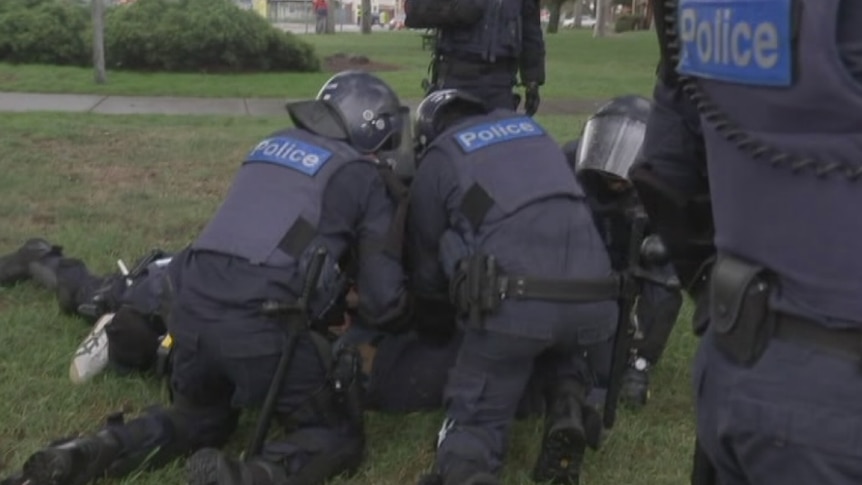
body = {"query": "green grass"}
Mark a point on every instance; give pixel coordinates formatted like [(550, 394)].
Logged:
[(109, 187), (578, 66)]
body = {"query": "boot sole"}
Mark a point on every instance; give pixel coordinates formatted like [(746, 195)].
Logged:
[(202, 468), (561, 457), (49, 467)]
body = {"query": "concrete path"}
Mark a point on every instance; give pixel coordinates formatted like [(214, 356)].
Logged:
[(164, 105)]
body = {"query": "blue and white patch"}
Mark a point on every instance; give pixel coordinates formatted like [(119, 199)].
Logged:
[(738, 41), (487, 134), (288, 152)]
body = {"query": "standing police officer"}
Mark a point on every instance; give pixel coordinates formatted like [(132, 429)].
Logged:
[(499, 224), (315, 188), (481, 47), (611, 142), (769, 95)]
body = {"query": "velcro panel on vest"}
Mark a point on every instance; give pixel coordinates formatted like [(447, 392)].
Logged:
[(509, 162), (264, 203)]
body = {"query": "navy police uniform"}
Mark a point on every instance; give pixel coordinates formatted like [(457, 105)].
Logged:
[(778, 88), (139, 299), (493, 203), (482, 51), (613, 139), (297, 192)]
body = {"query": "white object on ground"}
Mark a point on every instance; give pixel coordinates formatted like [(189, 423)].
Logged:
[(91, 357)]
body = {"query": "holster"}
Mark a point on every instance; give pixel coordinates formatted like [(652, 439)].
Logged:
[(739, 309), (473, 289)]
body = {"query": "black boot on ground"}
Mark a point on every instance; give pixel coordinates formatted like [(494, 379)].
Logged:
[(210, 466), (635, 387), (565, 439), (73, 462), (460, 474), (15, 267)]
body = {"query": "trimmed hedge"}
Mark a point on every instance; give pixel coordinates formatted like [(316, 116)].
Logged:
[(152, 35), (44, 32)]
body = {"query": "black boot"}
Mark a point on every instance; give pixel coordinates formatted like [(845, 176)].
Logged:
[(77, 461), (462, 473), (210, 466), (17, 266), (635, 386), (16, 479), (565, 438)]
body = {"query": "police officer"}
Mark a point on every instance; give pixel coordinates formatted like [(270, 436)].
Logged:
[(317, 189), (482, 46), (773, 114), (612, 140), (137, 299), (498, 223)]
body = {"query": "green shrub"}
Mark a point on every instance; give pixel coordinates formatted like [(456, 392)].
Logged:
[(44, 32), (627, 23), (200, 35), (152, 35)]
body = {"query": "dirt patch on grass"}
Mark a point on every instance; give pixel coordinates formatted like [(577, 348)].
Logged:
[(7, 77), (344, 62)]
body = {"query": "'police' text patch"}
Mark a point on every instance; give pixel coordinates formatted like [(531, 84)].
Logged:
[(738, 41), (290, 153), (487, 134)]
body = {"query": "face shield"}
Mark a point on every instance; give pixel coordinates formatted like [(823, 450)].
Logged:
[(610, 145)]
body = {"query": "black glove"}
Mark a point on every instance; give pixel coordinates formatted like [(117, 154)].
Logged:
[(532, 99)]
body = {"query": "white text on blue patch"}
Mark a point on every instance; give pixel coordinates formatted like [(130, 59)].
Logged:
[(487, 134), (290, 153)]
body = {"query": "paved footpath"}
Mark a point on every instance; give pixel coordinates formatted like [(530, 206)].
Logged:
[(164, 105)]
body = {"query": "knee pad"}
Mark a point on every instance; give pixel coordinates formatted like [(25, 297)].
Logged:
[(132, 341), (203, 426)]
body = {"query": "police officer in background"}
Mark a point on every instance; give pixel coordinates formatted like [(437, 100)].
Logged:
[(776, 123), (314, 189), (137, 297), (482, 46), (611, 142), (499, 226)]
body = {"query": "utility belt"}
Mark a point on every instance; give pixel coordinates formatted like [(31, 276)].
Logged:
[(471, 66), (743, 324), (478, 288)]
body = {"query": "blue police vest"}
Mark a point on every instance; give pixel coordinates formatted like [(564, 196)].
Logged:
[(509, 159), (496, 36), (782, 121), (273, 208)]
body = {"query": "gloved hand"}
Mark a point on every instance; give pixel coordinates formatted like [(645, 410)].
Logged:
[(532, 99)]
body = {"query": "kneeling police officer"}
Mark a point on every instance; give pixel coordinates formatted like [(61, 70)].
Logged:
[(302, 199), (499, 225)]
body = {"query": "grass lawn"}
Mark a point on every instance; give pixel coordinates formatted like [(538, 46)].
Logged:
[(109, 187), (578, 66)]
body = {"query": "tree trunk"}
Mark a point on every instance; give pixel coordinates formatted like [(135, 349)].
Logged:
[(602, 17), (555, 7), (98, 8), (577, 13), (366, 16)]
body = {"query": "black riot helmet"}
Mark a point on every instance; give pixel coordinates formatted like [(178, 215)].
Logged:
[(440, 110), (611, 142), (356, 107)]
